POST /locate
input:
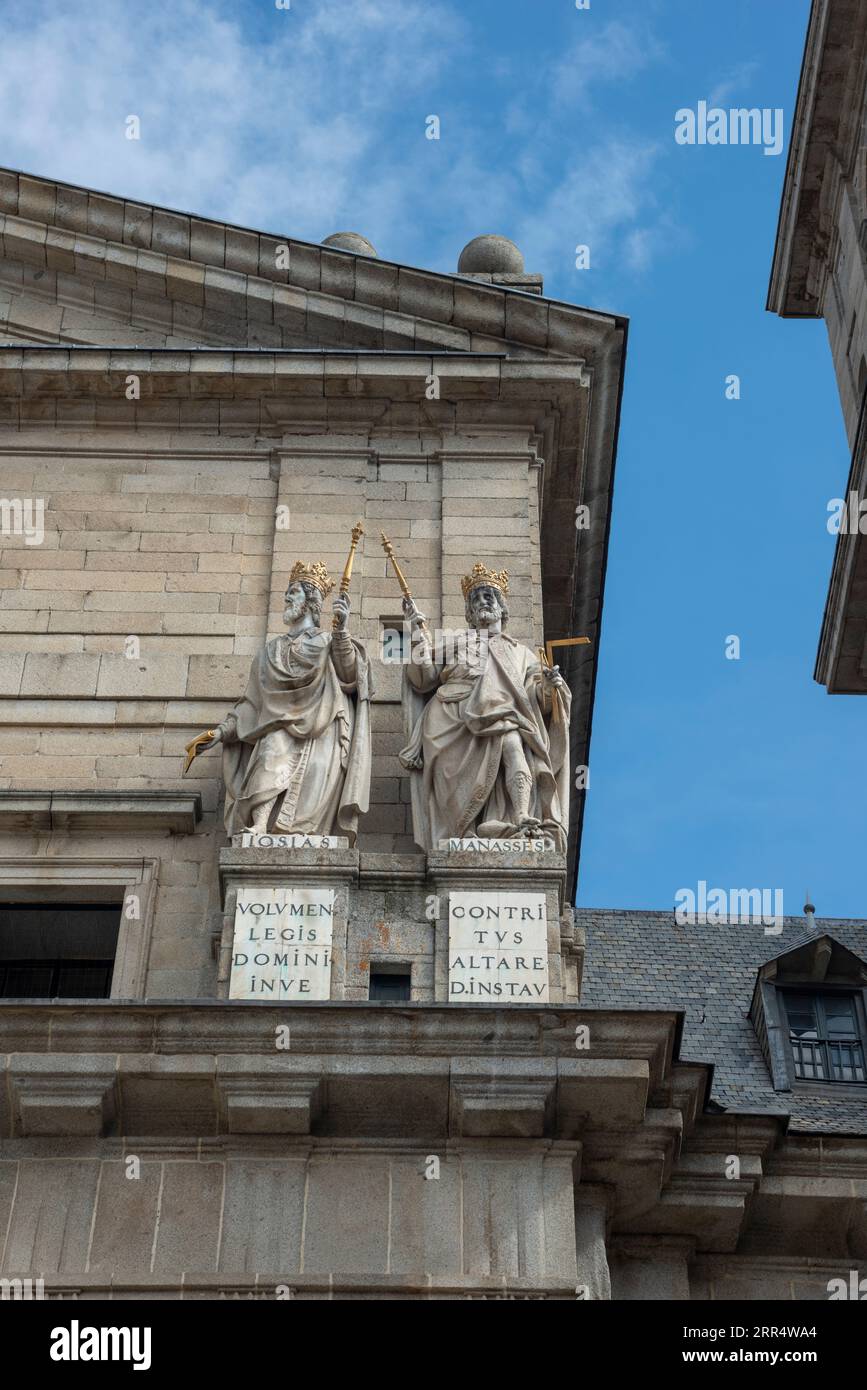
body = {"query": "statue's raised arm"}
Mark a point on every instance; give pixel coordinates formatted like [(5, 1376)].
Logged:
[(488, 731)]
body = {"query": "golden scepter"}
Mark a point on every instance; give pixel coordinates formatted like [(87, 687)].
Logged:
[(404, 587), (357, 533), (546, 659)]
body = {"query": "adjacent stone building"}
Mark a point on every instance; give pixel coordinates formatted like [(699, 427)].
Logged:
[(187, 409), (820, 271)]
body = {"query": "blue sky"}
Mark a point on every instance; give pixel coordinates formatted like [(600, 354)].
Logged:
[(557, 128)]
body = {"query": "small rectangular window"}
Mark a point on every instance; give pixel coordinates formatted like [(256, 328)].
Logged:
[(57, 950), (394, 641), (393, 985)]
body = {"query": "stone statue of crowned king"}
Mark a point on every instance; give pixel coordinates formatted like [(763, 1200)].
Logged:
[(296, 747), (487, 728)]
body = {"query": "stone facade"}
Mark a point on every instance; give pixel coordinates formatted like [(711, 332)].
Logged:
[(194, 418), (820, 271)]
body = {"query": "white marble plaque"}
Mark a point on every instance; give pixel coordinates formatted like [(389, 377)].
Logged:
[(251, 840), (282, 944), (535, 846), (498, 948)]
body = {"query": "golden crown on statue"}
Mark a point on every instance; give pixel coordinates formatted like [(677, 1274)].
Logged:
[(480, 574), (315, 574)]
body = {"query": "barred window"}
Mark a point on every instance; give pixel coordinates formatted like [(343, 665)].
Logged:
[(826, 1037)]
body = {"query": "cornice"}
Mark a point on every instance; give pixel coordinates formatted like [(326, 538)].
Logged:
[(194, 260), (473, 1079), (60, 371), (88, 811), (823, 143)]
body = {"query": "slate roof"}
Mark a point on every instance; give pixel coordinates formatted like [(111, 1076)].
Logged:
[(645, 960)]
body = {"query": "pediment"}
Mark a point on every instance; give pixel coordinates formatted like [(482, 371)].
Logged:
[(83, 267), (817, 960)]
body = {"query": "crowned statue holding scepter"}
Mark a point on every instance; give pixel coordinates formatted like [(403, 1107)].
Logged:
[(487, 727), (296, 747)]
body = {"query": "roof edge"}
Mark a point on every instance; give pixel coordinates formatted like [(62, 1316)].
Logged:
[(39, 206)]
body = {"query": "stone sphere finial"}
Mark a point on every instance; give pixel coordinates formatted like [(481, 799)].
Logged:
[(491, 255), (351, 241)]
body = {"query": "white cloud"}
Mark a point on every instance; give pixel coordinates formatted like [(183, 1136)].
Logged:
[(275, 125), (311, 120), (615, 52), (735, 80), (606, 200)]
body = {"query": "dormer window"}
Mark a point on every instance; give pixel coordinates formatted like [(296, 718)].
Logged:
[(809, 1011), (825, 1036)]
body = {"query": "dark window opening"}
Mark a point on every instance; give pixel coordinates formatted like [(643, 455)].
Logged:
[(57, 950), (390, 985), (394, 641), (55, 979), (826, 1038)]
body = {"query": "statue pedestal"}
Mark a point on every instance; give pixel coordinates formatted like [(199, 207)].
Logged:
[(503, 935), (285, 916), (286, 935)]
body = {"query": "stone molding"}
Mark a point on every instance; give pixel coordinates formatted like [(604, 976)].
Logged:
[(245, 372), (298, 1287), (825, 129), (196, 261), (205, 1080), (476, 869), (116, 811)]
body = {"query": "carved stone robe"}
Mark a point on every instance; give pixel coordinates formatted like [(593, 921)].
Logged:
[(298, 736), (455, 743)]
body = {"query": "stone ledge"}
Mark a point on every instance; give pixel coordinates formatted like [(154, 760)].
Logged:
[(373, 1093), (146, 243), (378, 870), (548, 863), (100, 810), (530, 284), (318, 1285), (590, 1113), (256, 374), (190, 1027), (512, 870), (281, 867)]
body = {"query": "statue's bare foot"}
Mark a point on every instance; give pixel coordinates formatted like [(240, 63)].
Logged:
[(529, 825)]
